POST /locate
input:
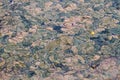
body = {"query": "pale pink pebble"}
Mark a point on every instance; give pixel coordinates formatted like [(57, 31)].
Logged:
[(24, 34), (108, 4), (68, 9), (12, 41), (64, 29), (48, 4), (32, 30), (76, 67), (15, 40), (35, 11), (81, 0), (68, 60), (70, 72), (68, 26), (20, 36), (86, 79), (115, 36), (32, 67), (89, 9), (37, 63), (81, 59), (74, 49), (35, 26), (99, 29), (36, 43), (55, 76), (119, 67), (71, 7), (49, 28), (75, 59), (96, 57), (58, 6), (78, 18), (32, 9), (67, 20), (89, 22), (80, 75), (69, 77)]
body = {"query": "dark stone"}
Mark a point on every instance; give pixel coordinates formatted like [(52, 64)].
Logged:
[(26, 44), (87, 1), (10, 1), (97, 8), (60, 20), (94, 64), (105, 31), (63, 67), (79, 32), (99, 40), (4, 39), (1, 50), (95, 23), (42, 23), (61, 14), (97, 47), (14, 34), (0, 20), (31, 73), (26, 22), (61, 0), (34, 49), (68, 51), (58, 29), (46, 73)]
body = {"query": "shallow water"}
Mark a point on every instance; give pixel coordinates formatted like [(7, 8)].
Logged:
[(59, 40)]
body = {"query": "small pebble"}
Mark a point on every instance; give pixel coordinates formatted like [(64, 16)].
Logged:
[(2, 62), (96, 57), (31, 73), (92, 32), (1, 3)]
